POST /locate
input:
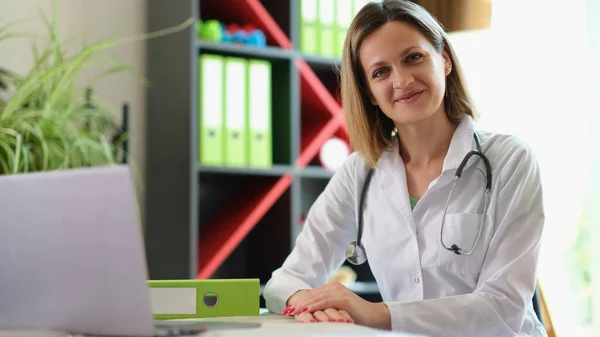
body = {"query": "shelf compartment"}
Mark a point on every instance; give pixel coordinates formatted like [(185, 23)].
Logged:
[(237, 204), (314, 167), (314, 135), (268, 52), (314, 92), (280, 105), (246, 12), (264, 248)]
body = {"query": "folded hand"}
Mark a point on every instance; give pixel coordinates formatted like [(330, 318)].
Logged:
[(335, 295), (325, 315)]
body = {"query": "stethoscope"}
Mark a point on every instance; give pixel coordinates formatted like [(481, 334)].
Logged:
[(355, 252)]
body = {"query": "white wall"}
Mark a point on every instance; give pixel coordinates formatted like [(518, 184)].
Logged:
[(88, 21)]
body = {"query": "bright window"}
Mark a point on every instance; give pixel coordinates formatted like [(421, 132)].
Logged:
[(534, 74)]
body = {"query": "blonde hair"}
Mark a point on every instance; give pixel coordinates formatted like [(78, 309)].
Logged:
[(369, 129)]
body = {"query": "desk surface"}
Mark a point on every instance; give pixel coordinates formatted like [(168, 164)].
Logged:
[(277, 325), (271, 325)]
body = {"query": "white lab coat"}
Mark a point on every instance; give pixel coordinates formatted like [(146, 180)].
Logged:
[(428, 289)]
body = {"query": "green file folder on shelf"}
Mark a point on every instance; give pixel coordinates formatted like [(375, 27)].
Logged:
[(179, 299), (236, 140), (343, 18), (327, 31), (260, 152), (210, 119), (309, 39)]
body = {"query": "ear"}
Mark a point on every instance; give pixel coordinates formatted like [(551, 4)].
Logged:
[(373, 101), (447, 62)]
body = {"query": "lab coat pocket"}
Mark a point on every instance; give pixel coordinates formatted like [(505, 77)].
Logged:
[(461, 229)]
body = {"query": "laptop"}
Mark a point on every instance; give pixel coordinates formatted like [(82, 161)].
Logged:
[(72, 256)]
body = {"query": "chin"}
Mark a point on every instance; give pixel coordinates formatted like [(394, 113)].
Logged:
[(412, 116)]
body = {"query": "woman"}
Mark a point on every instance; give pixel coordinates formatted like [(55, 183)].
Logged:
[(441, 271)]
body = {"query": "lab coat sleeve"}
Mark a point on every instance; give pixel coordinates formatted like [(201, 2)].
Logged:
[(319, 248), (498, 305)]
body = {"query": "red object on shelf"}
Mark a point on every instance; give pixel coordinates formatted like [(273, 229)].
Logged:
[(248, 28), (247, 12), (235, 219), (233, 27)]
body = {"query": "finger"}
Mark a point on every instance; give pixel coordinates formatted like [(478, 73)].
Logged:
[(346, 316), (305, 317), (287, 310), (321, 316), (312, 297), (334, 315), (322, 304)]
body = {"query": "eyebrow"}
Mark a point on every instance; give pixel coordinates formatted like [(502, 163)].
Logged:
[(380, 63)]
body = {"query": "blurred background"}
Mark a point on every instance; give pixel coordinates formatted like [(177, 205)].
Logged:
[(533, 68)]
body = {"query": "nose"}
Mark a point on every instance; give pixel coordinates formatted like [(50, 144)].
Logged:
[(402, 78)]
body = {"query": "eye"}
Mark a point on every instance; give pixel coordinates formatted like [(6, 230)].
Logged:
[(379, 72), (414, 57)]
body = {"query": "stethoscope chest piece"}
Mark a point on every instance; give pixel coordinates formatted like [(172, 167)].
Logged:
[(355, 253)]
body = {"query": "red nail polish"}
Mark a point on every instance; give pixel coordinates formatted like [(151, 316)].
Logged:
[(312, 320), (332, 320), (349, 320), (341, 320), (303, 309)]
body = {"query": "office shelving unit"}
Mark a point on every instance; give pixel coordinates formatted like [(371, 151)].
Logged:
[(223, 222), (203, 221)]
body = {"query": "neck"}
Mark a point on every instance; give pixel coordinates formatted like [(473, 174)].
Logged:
[(427, 141)]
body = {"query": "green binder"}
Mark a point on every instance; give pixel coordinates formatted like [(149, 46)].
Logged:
[(343, 18), (236, 140), (327, 31), (309, 39), (180, 299), (260, 152), (210, 109)]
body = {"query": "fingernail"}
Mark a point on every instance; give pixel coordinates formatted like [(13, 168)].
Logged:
[(341, 320), (349, 320), (303, 309), (332, 320), (313, 320)]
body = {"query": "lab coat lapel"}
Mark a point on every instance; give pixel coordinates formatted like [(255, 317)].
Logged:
[(462, 142), (393, 184)]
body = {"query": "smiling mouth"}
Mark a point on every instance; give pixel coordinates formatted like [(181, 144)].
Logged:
[(410, 99)]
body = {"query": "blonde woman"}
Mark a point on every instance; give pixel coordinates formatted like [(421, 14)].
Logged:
[(449, 217)]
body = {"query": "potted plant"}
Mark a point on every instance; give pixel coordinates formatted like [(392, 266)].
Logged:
[(47, 120)]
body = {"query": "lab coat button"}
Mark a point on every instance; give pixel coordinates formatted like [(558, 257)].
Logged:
[(417, 280)]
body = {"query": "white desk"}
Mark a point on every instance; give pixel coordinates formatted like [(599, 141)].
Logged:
[(271, 325), (277, 325)]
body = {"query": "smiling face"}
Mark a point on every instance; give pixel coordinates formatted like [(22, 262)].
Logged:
[(405, 74)]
